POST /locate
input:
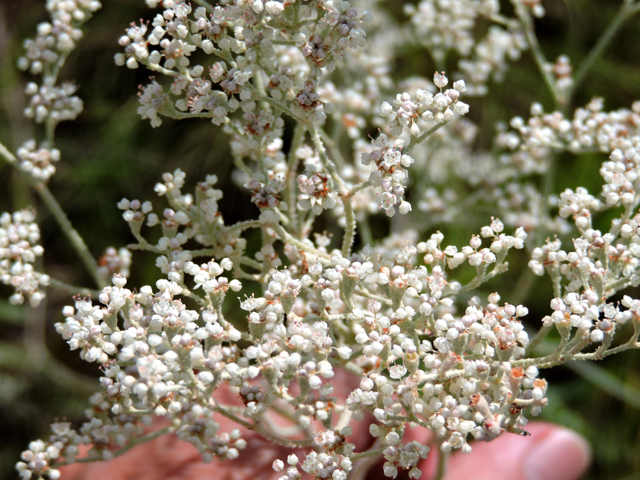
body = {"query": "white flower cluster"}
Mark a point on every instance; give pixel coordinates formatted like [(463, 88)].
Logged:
[(49, 102), (59, 36), (441, 108), (390, 176), (327, 336), (19, 249), (489, 59), (45, 55), (241, 29), (52, 103), (38, 162), (114, 261), (40, 455), (316, 193), (444, 25), (590, 129)]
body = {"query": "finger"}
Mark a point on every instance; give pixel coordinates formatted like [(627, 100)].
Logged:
[(167, 458), (550, 453)]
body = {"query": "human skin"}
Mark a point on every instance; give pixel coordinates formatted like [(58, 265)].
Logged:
[(549, 453)]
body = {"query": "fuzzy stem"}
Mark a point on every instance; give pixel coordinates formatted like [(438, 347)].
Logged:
[(537, 338), (350, 230), (137, 441), (285, 442), (416, 140), (292, 167)]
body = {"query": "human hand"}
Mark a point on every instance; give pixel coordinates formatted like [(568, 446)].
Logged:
[(550, 453)]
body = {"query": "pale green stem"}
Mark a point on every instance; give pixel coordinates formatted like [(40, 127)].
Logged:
[(480, 279), (188, 293), (322, 151), (537, 338), (625, 13), (363, 292), (292, 167), (49, 131), (73, 289), (617, 285), (280, 106), (499, 19), (441, 469), (136, 441), (364, 461), (538, 56), (350, 230), (420, 138), (241, 226), (71, 233), (287, 237), (285, 442), (56, 210), (552, 360), (144, 245), (158, 68), (365, 231), (360, 186), (335, 151)]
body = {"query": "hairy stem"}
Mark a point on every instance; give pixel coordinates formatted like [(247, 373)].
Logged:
[(421, 138), (292, 167), (137, 441), (285, 442)]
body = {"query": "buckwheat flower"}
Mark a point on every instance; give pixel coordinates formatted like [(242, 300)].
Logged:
[(274, 7), (316, 193), (443, 26), (268, 196), (440, 80), (19, 235), (489, 58), (115, 261), (418, 110), (430, 350), (57, 103), (152, 100), (38, 162)]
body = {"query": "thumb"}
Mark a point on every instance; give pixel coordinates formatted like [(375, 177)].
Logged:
[(550, 453)]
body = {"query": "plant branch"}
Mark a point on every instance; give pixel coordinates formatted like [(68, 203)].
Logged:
[(538, 55), (137, 441), (61, 218), (625, 13), (421, 138)]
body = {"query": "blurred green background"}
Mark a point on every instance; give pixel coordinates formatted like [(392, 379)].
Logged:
[(109, 153)]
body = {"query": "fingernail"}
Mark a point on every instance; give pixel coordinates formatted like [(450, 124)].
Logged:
[(561, 455)]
